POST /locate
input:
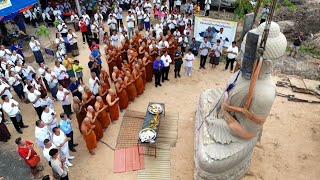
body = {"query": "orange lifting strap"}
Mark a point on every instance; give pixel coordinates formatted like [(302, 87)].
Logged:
[(232, 122)]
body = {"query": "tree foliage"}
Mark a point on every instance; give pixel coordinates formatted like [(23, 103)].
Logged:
[(244, 7)]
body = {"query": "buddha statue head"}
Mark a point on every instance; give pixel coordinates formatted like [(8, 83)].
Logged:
[(275, 47)]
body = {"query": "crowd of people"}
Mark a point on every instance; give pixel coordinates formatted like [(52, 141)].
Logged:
[(133, 59)]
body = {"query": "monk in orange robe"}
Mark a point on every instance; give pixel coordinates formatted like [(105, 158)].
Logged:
[(80, 111), (88, 97), (172, 48), (132, 57), (131, 88), (113, 103), (93, 116), (125, 66), (138, 79), (103, 90), (149, 67), (141, 50), (123, 51), (105, 77), (115, 74), (111, 61), (88, 135), (142, 66), (122, 94), (108, 47), (103, 115), (118, 59)]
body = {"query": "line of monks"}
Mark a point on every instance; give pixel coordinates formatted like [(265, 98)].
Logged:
[(131, 67)]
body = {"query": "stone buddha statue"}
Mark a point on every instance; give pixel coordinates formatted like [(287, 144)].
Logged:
[(227, 126)]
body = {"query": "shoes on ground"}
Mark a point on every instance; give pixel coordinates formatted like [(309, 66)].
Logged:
[(69, 164), (24, 126), (73, 150), (19, 131), (70, 157)]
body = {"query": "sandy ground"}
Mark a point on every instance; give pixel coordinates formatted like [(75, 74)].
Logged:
[(289, 148)]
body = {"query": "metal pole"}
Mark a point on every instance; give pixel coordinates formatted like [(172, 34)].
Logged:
[(78, 8)]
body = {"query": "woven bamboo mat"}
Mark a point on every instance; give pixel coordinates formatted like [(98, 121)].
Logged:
[(129, 129)]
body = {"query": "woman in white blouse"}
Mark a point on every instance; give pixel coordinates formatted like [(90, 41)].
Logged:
[(189, 57), (72, 38), (61, 73), (15, 57), (15, 81), (59, 41), (35, 47)]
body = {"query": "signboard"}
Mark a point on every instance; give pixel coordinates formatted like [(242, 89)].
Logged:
[(201, 25), (5, 4)]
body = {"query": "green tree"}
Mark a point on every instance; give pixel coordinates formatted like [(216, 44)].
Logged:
[(244, 7)]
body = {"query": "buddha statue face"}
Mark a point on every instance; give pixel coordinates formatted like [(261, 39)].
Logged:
[(275, 48)]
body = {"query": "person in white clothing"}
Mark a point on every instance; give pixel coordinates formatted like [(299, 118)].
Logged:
[(204, 50), (207, 7), (49, 117), (63, 29), (35, 47), (189, 58), (221, 37), (216, 53), (123, 35), (41, 133), (114, 39), (130, 19), (112, 23), (166, 59), (63, 97), (48, 145), (5, 89), (16, 82), (98, 17), (34, 98), (60, 54), (178, 5), (61, 140), (15, 57), (163, 44), (94, 83), (147, 6), (232, 53), (118, 11), (10, 106)]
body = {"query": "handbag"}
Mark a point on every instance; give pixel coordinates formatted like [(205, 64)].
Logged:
[(33, 161)]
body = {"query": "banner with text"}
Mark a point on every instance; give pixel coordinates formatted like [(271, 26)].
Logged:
[(201, 25)]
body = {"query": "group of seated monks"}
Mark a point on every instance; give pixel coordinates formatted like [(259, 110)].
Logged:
[(131, 67)]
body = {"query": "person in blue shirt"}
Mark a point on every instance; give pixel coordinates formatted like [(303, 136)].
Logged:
[(194, 46), (74, 88), (65, 126), (97, 55), (209, 34), (16, 47), (157, 70)]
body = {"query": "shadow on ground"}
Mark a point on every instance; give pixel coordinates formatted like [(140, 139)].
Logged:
[(12, 167)]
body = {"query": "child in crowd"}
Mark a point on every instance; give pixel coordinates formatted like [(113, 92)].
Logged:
[(77, 67)]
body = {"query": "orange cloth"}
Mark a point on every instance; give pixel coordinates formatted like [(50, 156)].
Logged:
[(90, 139), (103, 116), (98, 130), (105, 77), (91, 102), (149, 69), (139, 85), (114, 110), (143, 74), (111, 65), (123, 98), (131, 89), (80, 116), (104, 88)]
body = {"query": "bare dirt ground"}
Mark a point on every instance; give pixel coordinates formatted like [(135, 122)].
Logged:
[(289, 147)]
